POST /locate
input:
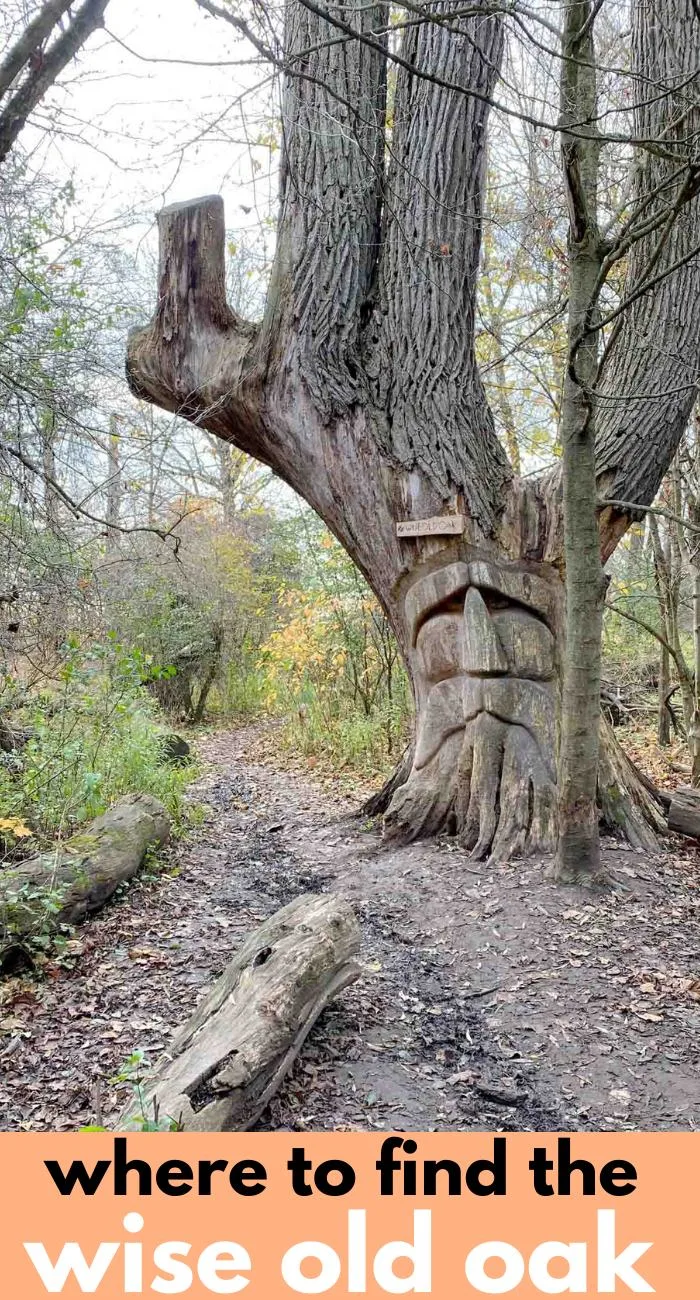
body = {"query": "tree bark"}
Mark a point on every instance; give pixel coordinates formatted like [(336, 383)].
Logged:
[(578, 848), (227, 1062), (684, 812), (353, 390), (663, 731), (360, 389), (66, 885), (649, 370)]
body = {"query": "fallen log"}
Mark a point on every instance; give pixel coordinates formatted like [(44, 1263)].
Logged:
[(230, 1058), (684, 812), (65, 885)]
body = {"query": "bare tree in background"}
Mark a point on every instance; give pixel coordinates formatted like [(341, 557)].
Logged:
[(37, 56), (360, 388)]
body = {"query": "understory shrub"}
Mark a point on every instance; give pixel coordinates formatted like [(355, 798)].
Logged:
[(332, 669), (94, 735)]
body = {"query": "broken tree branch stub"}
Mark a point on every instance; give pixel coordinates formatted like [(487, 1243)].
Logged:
[(192, 356), (230, 1058)]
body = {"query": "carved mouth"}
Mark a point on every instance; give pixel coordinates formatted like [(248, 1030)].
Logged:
[(456, 702)]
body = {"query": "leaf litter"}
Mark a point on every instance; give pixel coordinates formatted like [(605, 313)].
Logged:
[(489, 998)]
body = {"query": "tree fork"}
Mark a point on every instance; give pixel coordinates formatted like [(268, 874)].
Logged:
[(360, 389)]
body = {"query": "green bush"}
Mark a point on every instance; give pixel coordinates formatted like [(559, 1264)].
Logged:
[(94, 737), (332, 667), (242, 690), (369, 743)]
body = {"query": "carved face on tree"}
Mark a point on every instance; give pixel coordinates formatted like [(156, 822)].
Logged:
[(483, 660), (361, 387)]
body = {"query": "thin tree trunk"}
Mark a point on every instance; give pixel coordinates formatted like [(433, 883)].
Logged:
[(52, 512), (664, 718), (114, 483), (578, 850), (667, 580), (694, 733)]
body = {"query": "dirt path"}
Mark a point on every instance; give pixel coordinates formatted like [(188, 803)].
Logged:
[(533, 1007)]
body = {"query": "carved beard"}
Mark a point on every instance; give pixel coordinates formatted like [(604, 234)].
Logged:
[(484, 664)]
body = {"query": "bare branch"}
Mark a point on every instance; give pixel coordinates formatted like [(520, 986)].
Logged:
[(638, 508), (48, 67), (648, 627), (78, 511), (31, 42)]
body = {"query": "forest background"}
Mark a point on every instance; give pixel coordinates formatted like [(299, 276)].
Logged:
[(152, 576)]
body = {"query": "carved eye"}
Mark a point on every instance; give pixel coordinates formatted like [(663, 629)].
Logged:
[(493, 600)]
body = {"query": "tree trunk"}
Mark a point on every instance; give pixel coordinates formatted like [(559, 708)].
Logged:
[(65, 885), (578, 849), (477, 614), (52, 510), (668, 575), (114, 483), (360, 389), (692, 548), (226, 1063), (664, 717), (649, 369)]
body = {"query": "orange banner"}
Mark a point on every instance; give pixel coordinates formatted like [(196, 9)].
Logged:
[(275, 1215)]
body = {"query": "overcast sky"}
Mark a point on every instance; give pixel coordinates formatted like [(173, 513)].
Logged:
[(144, 133)]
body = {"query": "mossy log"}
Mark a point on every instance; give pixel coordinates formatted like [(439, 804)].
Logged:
[(67, 884), (230, 1058)]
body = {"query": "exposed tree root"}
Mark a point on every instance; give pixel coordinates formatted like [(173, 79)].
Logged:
[(628, 802), (491, 785), (378, 803)]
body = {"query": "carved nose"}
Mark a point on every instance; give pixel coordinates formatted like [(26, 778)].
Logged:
[(484, 652)]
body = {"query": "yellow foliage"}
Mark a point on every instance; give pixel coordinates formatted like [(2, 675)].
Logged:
[(14, 826)]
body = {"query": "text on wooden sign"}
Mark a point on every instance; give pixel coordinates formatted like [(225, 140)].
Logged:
[(430, 527)]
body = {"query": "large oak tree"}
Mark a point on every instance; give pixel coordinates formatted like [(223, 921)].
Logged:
[(360, 387)]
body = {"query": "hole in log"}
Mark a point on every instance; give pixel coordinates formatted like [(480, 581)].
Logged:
[(206, 1091), (261, 957)]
